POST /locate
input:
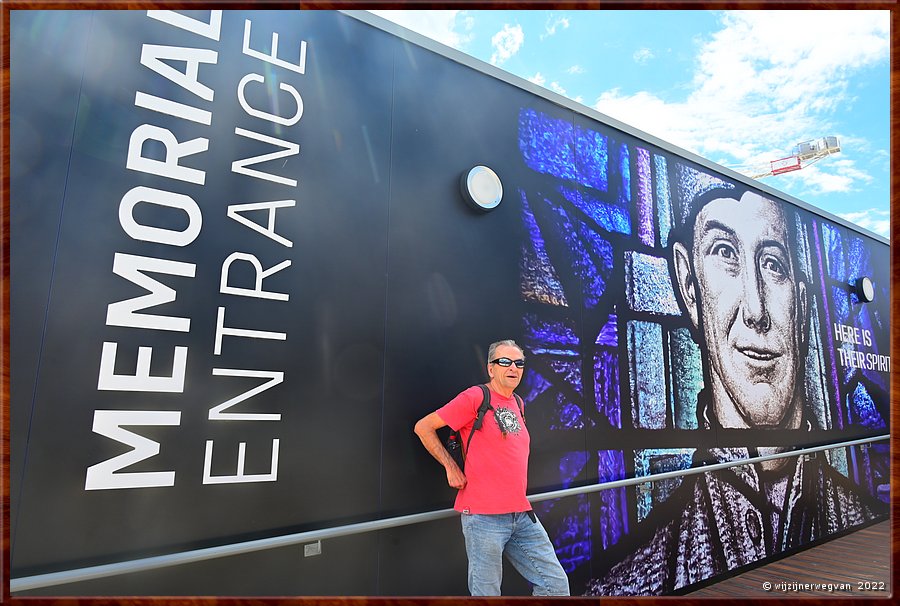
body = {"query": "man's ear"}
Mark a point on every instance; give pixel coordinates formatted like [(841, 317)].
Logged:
[(684, 281)]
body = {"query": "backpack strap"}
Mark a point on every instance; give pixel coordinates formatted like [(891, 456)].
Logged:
[(521, 405), (479, 419)]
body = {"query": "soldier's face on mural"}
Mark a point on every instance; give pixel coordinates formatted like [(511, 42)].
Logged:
[(740, 290)]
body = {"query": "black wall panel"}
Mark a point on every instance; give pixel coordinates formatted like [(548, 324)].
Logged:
[(46, 77)]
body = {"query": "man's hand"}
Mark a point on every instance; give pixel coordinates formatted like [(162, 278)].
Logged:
[(455, 477)]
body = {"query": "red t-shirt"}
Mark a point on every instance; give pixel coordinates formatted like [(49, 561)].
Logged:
[(496, 466)]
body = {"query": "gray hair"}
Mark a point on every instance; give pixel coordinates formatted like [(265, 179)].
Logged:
[(493, 348)]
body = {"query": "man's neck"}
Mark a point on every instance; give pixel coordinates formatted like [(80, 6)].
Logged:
[(506, 393)]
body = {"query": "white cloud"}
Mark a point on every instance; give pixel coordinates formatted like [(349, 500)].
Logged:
[(553, 23), (506, 43), (575, 70), (642, 56), (873, 219), (765, 81), (538, 79), (452, 28), (541, 80)]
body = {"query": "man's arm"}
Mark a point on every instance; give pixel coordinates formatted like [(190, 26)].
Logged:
[(426, 428)]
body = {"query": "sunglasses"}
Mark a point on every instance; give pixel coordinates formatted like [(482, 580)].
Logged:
[(520, 363)]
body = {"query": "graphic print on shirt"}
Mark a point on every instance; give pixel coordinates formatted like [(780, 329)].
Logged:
[(507, 421)]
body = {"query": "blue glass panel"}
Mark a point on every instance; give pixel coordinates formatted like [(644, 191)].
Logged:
[(555, 147), (542, 335), (838, 459), (547, 144), (611, 465), (606, 386), (613, 504), (539, 280), (834, 252), (859, 258), (686, 378), (658, 460), (646, 375), (569, 371), (648, 286), (611, 217), (600, 254), (568, 414), (663, 198), (535, 384), (862, 409), (578, 258), (571, 536), (645, 198), (841, 304), (593, 282), (591, 158), (625, 172)]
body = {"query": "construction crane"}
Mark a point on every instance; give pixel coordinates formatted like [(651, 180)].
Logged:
[(802, 155)]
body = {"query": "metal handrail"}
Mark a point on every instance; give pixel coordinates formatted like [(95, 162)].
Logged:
[(197, 555)]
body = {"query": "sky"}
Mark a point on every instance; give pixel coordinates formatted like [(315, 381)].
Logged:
[(740, 88)]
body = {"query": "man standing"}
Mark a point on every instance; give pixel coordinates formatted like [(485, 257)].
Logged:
[(496, 516)]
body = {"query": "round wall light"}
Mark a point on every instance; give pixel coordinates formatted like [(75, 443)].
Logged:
[(865, 290), (481, 188)]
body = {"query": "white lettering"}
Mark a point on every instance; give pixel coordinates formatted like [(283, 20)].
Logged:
[(257, 292), (168, 167), (141, 379), (172, 108), (289, 149), (103, 476), (124, 313), (152, 56), (265, 115), (275, 378), (160, 235), (222, 330), (240, 476), (272, 58), (234, 211)]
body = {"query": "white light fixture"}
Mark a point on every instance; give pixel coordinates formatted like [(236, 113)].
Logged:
[(481, 188), (865, 290)]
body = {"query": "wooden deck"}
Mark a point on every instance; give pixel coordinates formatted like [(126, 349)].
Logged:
[(860, 563)]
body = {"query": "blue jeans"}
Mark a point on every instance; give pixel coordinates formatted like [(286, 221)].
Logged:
[(525, 544)]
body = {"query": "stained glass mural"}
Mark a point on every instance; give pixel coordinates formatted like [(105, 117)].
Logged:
[(637, 364)]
